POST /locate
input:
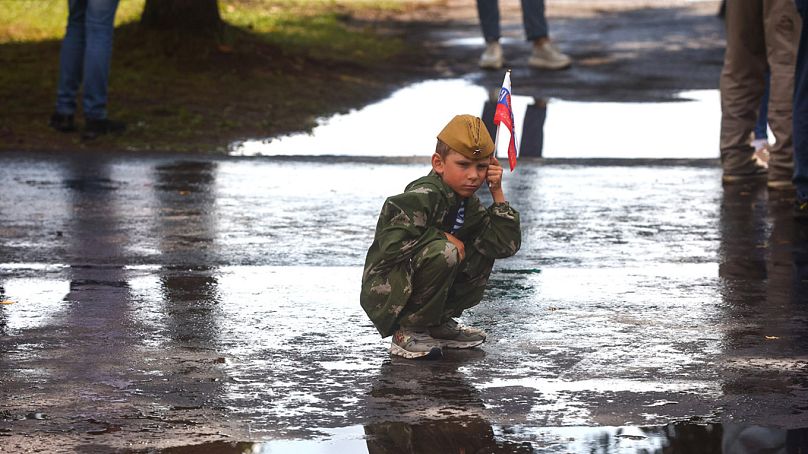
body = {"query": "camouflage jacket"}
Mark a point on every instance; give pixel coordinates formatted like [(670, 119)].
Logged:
[(410, 220)]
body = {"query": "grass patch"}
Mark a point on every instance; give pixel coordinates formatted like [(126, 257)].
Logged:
[(276, 67)]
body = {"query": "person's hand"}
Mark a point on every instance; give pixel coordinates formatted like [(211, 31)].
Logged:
[(494, 175), (494, 179), (461, 248)]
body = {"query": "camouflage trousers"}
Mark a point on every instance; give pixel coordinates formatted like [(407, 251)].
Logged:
[(442, 285)]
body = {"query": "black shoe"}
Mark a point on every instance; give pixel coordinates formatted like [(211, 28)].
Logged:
[(62, 123), (95, 128), (801, 210)]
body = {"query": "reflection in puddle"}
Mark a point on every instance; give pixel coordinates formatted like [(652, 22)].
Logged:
[(455, 435), (410, 118), (403, 125), (686, 129), (35, 301)]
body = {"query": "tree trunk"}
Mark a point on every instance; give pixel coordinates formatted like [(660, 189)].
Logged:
[(198, 16)]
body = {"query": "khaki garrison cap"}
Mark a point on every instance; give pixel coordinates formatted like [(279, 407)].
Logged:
[(467, 135)]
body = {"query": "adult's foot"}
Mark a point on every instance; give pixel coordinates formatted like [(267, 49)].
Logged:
[(98, 127), (62, 122), (492, 57), (547, 56)]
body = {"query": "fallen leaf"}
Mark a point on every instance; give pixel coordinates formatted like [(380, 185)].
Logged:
[(7, 302)]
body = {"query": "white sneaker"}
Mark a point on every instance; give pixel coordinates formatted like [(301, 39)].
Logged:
[(492, 57), (452, 334), (547, 56), (414, 344)]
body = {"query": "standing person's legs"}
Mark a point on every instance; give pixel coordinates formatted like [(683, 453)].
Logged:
[(534, 19), (488, 11), (492, 57), (100, 24), (545, 54), (742, 86), (71, 58), (801, 115), (782, 28)]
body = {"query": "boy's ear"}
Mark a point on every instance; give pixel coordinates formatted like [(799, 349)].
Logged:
[(437, 164)]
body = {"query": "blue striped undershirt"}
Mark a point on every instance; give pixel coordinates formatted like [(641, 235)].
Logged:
[(461, 215)]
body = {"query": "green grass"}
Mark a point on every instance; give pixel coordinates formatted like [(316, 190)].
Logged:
[(39, 20), (277, 66)]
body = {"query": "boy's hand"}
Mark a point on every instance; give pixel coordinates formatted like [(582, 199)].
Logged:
[(494, 178), (461, 248)]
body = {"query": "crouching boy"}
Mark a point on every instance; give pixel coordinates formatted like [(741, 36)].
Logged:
[(435, 245)]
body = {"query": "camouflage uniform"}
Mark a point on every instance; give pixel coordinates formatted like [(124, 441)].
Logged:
[(413, 276)]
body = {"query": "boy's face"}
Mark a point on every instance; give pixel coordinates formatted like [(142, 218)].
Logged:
[(462, 174)]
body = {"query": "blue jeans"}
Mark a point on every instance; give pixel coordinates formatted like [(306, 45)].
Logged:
[(800, 117), (762, 123), (532, 16), (85, 57)]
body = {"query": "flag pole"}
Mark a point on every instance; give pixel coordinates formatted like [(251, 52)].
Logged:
[(499, 125), (504, 114)]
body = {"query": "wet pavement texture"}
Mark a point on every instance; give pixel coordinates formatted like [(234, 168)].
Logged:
[(190, 303), (156, 302)]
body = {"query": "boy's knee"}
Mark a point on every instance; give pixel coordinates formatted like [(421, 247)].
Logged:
[(439, 253)]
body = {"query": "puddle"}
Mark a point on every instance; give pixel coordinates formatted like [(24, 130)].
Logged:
[(35, 301), (685, 129), (410, 118), (408, 121), (477, 436)]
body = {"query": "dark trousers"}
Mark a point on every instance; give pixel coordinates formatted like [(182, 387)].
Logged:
[(801, 110), (761, 35), (532, 17)]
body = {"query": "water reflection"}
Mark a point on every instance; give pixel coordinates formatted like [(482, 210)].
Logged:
[(744, 232), (531, 140), (574, 130), (432, 408), (450, 435), (765, 303), (97, 317), (187, 229), (476, 436), (3, 321)]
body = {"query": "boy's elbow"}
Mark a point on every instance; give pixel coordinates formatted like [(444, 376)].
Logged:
[(512, 248)]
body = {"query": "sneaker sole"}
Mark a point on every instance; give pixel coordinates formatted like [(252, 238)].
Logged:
[(549, 66), (458, 344), (738, 179), (434, 353), (780, 185), (491, 66)]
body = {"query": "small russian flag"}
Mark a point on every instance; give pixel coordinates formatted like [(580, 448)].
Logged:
[(504, 115)]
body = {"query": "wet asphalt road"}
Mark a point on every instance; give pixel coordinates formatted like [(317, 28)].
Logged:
[(164, 301)]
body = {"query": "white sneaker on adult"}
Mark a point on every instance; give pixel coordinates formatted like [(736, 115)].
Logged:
[(492, 58), (547, 56)]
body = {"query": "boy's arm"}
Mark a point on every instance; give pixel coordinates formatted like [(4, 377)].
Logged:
[(494, 178), (405, 225), (501, 234)]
